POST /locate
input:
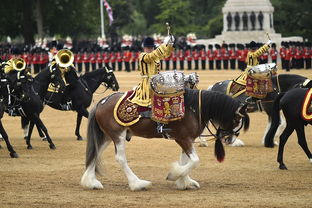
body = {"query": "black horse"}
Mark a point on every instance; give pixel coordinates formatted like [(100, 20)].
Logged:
[(281, 83), (81, 94), (291, 104), (4, 94), (23, 98)]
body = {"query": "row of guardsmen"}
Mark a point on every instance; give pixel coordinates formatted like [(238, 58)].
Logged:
[(233, 56)]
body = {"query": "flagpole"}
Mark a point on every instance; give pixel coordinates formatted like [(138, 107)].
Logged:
[(102, 19)]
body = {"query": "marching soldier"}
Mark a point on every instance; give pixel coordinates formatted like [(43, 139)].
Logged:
[(307, 55), (149, 66), (195, 56), (188, 56), (174, 59)]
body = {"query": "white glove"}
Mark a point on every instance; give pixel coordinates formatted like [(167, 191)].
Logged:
[(269, 42), (169, 40)]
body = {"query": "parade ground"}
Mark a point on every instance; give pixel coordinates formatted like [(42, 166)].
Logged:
[(249, 176)]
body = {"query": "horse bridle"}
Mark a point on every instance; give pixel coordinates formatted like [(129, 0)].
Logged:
[(225, 133)]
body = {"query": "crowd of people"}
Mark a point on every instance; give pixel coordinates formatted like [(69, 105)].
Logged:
[(293, 55)]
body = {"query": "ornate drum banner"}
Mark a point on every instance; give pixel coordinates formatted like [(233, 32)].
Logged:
[(166, 108), (167, 97)]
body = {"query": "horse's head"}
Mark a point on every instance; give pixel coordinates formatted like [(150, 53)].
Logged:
[(110, 80), (227, 130), (56, 77)]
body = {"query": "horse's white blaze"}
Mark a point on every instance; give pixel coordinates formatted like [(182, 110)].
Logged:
[(88, 179), (178, 170), (134, 182), (186, 182)]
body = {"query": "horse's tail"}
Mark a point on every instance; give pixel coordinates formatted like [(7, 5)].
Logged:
[(219, 150), (95, 138), (268, 141)]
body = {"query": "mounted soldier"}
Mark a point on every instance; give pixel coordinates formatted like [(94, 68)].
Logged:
[(63, 61), (153, 98), (248, 78)]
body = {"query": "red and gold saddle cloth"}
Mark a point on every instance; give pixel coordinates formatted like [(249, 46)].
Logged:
[(306, 111), (167, 107), (127, 113), (258, 88), (235, 89)]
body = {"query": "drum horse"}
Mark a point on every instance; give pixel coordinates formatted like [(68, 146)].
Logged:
[(201, 106), (280, 83)]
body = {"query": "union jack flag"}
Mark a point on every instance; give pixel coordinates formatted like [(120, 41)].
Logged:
[(109, 12)]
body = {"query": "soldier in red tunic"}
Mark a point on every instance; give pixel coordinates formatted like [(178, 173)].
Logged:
[(86, 59), (202, 56), (188, 55), (127, 58), (210, 56), (99, 57), (181, 58), (225, 56), (195, 56), (93, 59), (119, 58), (218, 56), (113, 58), (233, 56), (307, 53), (174, 59), (273, 53), (288, 57)]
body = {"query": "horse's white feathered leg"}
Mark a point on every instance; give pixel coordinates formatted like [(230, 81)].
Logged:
[(202, 142), (88, 179), (186, 182), (178, 170), (237, 142), (135, 183), (26, 129)]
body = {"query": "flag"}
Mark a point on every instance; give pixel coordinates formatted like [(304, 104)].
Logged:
[(109, 12)]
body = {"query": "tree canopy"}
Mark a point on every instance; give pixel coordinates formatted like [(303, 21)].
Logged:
[(80, 19)]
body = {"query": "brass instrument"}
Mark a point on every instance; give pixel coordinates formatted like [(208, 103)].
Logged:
[(64, 58), (17, 64)]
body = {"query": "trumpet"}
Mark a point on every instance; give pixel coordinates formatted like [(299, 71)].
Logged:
[(64, 58)]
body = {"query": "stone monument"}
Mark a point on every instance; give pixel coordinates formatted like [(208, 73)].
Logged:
[(249, 20)]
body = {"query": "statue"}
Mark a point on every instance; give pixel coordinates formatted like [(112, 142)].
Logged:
[(237, 20), (229, 21), (260, 19), (245, 21), (253, 20)]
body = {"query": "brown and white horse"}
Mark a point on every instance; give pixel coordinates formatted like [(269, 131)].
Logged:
[(200, 108)]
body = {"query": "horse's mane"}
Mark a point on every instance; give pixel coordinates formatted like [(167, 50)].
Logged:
[(215, 105), (96, 72)]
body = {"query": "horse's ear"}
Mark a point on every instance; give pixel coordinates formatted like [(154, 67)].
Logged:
[(241, 111)]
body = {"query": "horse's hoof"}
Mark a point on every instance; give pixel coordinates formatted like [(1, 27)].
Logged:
[(80, 138), (140, 185), (14, 155), (52, 146), (44, 139), (283, 167), (237, 143), (29, 147)]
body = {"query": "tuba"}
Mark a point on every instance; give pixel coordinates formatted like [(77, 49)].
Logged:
[(64, 58)]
